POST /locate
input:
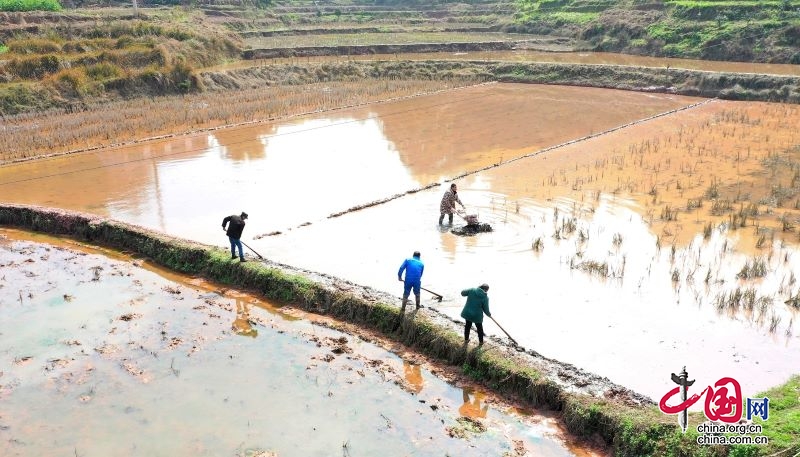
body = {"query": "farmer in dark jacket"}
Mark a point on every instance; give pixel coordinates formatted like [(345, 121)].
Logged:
[(448, 204), (477, 305), (235, 227), (413, 268)]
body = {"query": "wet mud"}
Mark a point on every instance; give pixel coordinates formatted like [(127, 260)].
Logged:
[(471, 229), (101, 354)]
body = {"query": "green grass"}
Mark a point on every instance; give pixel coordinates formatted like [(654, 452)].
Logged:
[(728, 3), (3, 48), (739, 30), (691, 39), (573, 17), (30, 5), (783, 425), (17, 97)]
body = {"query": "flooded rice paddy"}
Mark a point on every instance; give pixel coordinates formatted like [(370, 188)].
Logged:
[(301, 171), (666, 243), (105, 355)]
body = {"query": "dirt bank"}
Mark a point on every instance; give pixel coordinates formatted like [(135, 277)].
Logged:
[(313, 51), (731, 86), (588, 404), (349, 30)]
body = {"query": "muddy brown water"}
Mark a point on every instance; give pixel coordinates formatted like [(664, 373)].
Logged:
[(589, 58), (301, 171), (103, 355), (627, 293)]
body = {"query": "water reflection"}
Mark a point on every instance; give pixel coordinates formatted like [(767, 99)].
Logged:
[(242, 325), (474, 405), (283, 176), (235, 148), (413, 376)]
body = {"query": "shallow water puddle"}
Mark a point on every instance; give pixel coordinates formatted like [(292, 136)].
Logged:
[(99, 356), (289, 173)]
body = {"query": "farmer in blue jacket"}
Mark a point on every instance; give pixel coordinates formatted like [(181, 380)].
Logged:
[(413, 268), (477, 305)]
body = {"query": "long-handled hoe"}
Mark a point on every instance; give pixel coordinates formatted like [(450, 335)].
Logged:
[(248, 247), (516, 345), (254, 251), (435, 295)]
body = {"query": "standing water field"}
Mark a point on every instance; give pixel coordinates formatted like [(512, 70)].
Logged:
[(634, 233), (101, 355)]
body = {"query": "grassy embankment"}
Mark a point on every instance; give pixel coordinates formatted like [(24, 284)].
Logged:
[(101, 55), (605, 25), (739, 30), (76, 59), (687, 82), (300, 25), (324, 17), (783, 427), (629, 430)]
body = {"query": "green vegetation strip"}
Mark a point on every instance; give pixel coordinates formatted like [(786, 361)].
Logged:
[(30, 5), (733, 30), (630, 430)]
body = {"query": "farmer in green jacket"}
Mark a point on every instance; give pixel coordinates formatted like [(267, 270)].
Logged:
[(477, 305)]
